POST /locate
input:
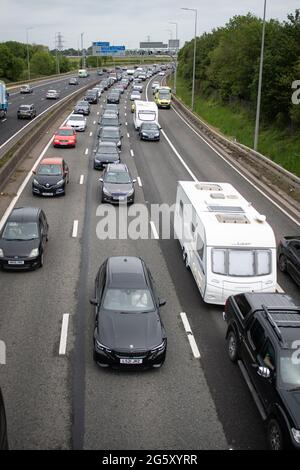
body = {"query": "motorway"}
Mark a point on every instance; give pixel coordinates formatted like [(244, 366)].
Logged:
[(11, 124), (65, 401)]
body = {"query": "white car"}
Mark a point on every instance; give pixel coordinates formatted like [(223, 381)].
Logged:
[(77, 121), (99, 89), (52, 95), (137, 88), (162, 74), (135, 95), (26, 89), (154, 85)]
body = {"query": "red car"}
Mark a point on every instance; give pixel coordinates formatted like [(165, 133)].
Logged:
[(65, 137)]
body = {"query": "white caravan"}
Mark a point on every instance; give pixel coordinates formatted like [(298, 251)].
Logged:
[(227, 244), (145, 111)]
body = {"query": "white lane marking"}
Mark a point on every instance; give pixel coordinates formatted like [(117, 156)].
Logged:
[(239, 172), (128, 134), (125, 114), (75, 229), (24, 184), (125, 123), (43, 112), (190, 335), (3, 120), (179, 156), (64, 334), (98, 112), (131, 153), (94, 122), (279, 289), (86, 151), (139, 181), (91, 134), (125, 107), (81, 180), (154, 231)]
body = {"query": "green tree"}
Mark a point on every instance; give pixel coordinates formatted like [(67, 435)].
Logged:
[(43, 63)]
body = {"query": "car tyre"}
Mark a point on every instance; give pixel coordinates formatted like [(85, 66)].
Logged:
[(282, 263), (233, 347), (41, 263), (185, 259), (275, 435)]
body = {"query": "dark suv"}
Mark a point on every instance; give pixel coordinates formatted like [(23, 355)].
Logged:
[(91, 96), (263, 337), (3, 426), (26, 111)]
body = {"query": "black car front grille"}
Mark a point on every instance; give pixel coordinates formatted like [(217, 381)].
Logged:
[(130, 355)]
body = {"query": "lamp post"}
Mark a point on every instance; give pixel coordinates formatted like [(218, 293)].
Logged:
[(194, 64), (28, 60), (83, 55), (261, 65), (176, 53)]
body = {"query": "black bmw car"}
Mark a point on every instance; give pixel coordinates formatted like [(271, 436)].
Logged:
[(113, 98), (117, 186), (149, 131), (23, 239), (82, 107), (107, 152), (129, 330)]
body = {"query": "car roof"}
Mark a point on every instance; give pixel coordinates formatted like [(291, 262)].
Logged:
[(65, 128), (111, 128), (107, 143), (125, 272), (269, 299), (25, 105), (77, 115), (51, 161), (117, 167), (21, 214)]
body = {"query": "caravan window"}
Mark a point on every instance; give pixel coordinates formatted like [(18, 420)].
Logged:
[(263, 261), (218, 261), (200, 247), (241, 263)]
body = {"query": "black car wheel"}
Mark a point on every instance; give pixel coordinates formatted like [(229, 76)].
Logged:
[(282, 263), (232, 342), (275, 435), (41, 263), (185, 259)]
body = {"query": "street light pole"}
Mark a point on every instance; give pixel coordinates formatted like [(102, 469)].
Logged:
[(83, 55), (256, 133), (28, 59), (194, 64), (176, 53)]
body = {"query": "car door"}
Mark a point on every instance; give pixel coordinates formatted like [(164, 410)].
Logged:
[(251, 344), (43, 231), (293, 260), (99, 289), (266, 387), (66, 172)]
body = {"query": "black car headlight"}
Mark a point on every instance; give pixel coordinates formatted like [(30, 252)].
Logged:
[(35, 182), (60, 183), (159, 348), (102, 347)]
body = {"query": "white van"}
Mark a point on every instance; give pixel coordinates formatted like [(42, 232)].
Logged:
[(145, 111), (227, 244), (82, 73)]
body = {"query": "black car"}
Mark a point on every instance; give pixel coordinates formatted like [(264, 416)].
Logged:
[(23, 239), (111, 107), (26, 111), (108, 120), (113, 98), (50, 177), (91, 96), (111, 134), (129, 330), (117, 186), (3, 425), (149, 131), (104, 83), (73, 81), (263, 337), (82, 107), (100, 72), (107, 152), (289, 257)]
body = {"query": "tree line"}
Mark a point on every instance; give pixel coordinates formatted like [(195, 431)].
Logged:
[(227, 65), (13, 61)]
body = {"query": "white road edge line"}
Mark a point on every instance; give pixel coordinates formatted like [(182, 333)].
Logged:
[(75, 229), (131, 153), (81, 179), (126, 124), (223, 158), (139, 181), (128, 135), (86, 151), (190, 336), (94, 122), (64, 334), (154, 231), (91, 134)]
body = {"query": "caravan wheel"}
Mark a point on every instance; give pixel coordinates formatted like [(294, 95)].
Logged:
[(185, 259)]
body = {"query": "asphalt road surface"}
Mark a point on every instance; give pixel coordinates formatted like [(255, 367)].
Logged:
[(66, 401)]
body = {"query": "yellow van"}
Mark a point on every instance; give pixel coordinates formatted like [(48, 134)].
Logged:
[(163, 97)]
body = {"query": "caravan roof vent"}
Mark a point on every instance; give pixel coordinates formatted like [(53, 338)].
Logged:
[(232, 219), (232, 209), (208, 187), (232, 196), (217, 196)]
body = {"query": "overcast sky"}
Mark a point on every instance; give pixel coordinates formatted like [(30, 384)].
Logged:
[(123, 22)]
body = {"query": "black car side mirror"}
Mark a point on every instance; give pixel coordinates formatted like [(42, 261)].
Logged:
[(93, 301), (162, 302)]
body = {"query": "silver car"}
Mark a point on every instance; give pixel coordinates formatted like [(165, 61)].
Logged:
[(52, 95), (77, 121)]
